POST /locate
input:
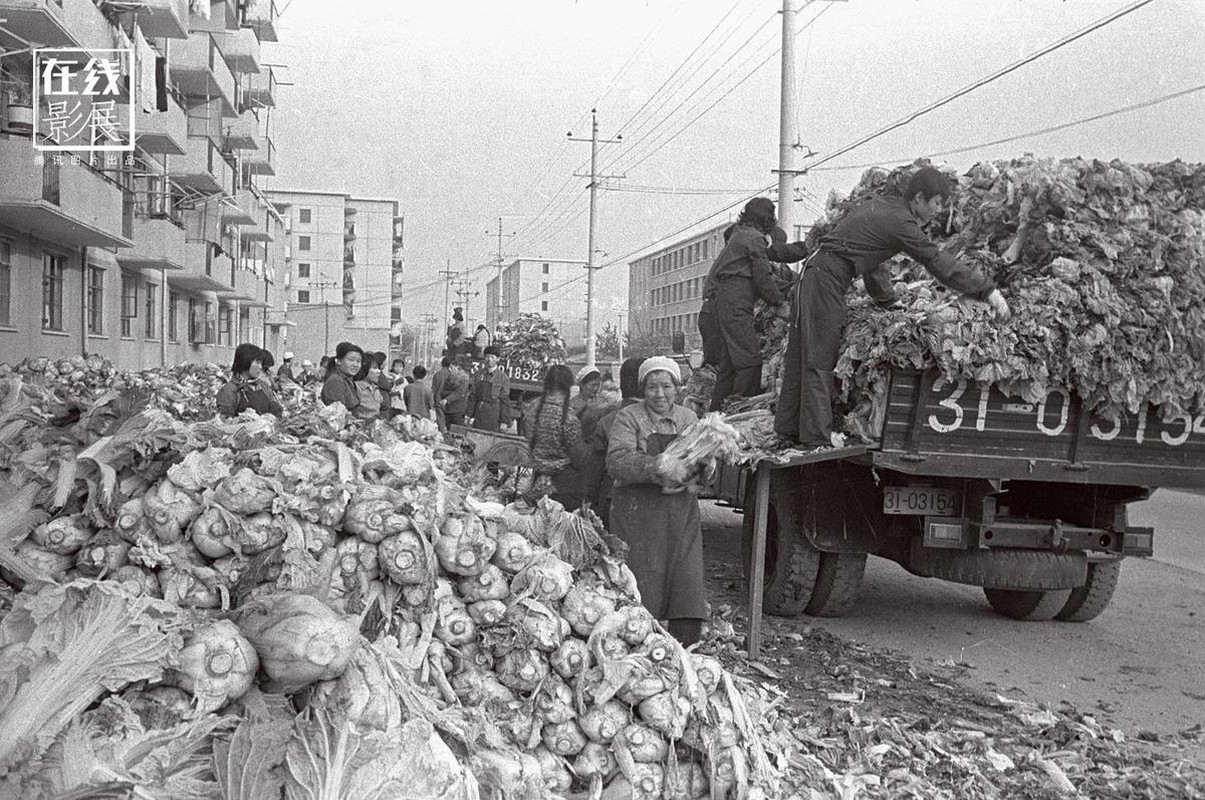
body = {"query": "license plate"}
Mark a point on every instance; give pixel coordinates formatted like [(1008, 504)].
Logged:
[(919, 500)]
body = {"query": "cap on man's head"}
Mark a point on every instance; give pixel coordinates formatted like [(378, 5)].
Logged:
[(288, 356), (584, 374)]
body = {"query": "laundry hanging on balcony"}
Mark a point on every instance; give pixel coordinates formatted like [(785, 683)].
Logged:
[(199, 8), (144, 58)]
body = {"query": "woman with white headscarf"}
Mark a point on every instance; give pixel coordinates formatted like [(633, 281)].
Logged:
[(657, 519)]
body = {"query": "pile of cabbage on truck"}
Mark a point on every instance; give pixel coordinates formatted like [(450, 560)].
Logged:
[(248, 609), (1101, 262)]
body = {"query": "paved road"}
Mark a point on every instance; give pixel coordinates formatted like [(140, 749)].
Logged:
[(1140, 665)]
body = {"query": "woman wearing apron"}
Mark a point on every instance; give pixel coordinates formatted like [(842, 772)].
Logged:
[(658, 521), (490, 404)]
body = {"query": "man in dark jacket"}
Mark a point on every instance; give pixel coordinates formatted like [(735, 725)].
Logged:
[(859, 246), (740, 276), (438, 381)]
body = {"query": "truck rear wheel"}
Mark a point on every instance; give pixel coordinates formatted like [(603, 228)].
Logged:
[(1033, 606), (1089, 600), (837, 584), (791, 562)]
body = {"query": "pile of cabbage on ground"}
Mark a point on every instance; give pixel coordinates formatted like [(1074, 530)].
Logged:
[(1103, 264), (326, 609)]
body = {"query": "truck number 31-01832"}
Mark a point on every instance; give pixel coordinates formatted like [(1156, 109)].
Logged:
[(961, 409)]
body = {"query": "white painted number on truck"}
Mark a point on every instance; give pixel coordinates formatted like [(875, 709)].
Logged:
[(1050, 416)]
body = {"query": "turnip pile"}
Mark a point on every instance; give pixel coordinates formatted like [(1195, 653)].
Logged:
[(252, 609)]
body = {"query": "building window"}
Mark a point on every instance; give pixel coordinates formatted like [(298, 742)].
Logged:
[(305, 216), (196, 325), (6, 281), (545, 269), (152, 297), (704, 246), (303, 296), (544, 287), (52, 291), (224, 324), (303, 243), (129, 304), (303, 270), (96, 299), (543, 305), (173, 316)]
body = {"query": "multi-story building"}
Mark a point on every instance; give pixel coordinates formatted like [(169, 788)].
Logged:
[(553, 288), (665, 288), (167, 253), (344, 257)]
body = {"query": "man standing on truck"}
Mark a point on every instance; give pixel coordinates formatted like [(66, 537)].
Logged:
[(740, 275), (859, 245)]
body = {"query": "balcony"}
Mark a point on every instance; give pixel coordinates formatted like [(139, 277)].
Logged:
[(399, 230), (164, 132), (256, 233), (67, 204), (262, 160), (349, 232), (349, 211), (349, 256), (241, 50), (242, 134), (42, 21), (199, 70), (203, 271), (242, 209), (223, 16), (399, 265), (159, 19), (262, 18), (158, 244), (202, 169), (259, 89)]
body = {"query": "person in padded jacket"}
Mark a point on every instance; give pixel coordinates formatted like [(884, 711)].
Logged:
[(740, 276), (244, 391)]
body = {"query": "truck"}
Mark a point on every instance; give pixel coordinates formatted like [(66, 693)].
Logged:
[(1027, 500)]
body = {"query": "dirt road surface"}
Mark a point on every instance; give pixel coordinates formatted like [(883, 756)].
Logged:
[(1138, 667)]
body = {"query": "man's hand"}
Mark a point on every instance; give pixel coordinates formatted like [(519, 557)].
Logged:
[(999, 305)]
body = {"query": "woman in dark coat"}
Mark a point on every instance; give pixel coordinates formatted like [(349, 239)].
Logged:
[(340, 385), (557, 449), (659, 521), (244, 391)]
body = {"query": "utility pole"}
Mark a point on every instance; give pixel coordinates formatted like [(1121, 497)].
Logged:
[(447, 274), (620, 315), (428, 331), (463, 293), (594, 179), (324, 284), (786, 122), (498, 310)]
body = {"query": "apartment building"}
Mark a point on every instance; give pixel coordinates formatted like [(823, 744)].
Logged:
[(553, 288), (344, 266), (665, 288), (163, 254)]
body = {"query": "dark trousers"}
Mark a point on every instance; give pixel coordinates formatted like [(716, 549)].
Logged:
[(739, 368), (454, 417), (709, 330), (745, 382), (805, 402)]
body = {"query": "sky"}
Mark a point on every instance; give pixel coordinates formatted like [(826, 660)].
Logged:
[(460, 110)]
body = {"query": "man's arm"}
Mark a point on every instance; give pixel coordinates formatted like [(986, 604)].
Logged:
[(762, 273), (948, 270)]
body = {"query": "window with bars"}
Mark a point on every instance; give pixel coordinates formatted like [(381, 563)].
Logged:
[(152, 298), (129, 304), (53, 267), (6, 281), (96, 299), (303, 296)]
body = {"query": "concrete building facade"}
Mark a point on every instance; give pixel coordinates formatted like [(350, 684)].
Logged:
[(665, 287), (165, 254), (344, 263), (553, 288)]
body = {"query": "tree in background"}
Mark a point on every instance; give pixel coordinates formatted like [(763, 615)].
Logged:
[(643, 345), (607, 342)]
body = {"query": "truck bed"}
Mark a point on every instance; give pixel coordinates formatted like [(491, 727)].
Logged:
[(964, 429)]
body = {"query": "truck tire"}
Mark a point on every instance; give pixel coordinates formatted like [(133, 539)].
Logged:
[(1089, 600), (837, 584), (791, 562), (1002, 568), (1033, 606)]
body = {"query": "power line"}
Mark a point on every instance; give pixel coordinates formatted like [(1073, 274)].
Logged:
[(1028, 134), (1000, 73), (615, 78)]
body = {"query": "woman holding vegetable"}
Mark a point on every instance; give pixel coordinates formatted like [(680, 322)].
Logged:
[(340, 384), (557, 449), (243, 391), (658, 520)]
